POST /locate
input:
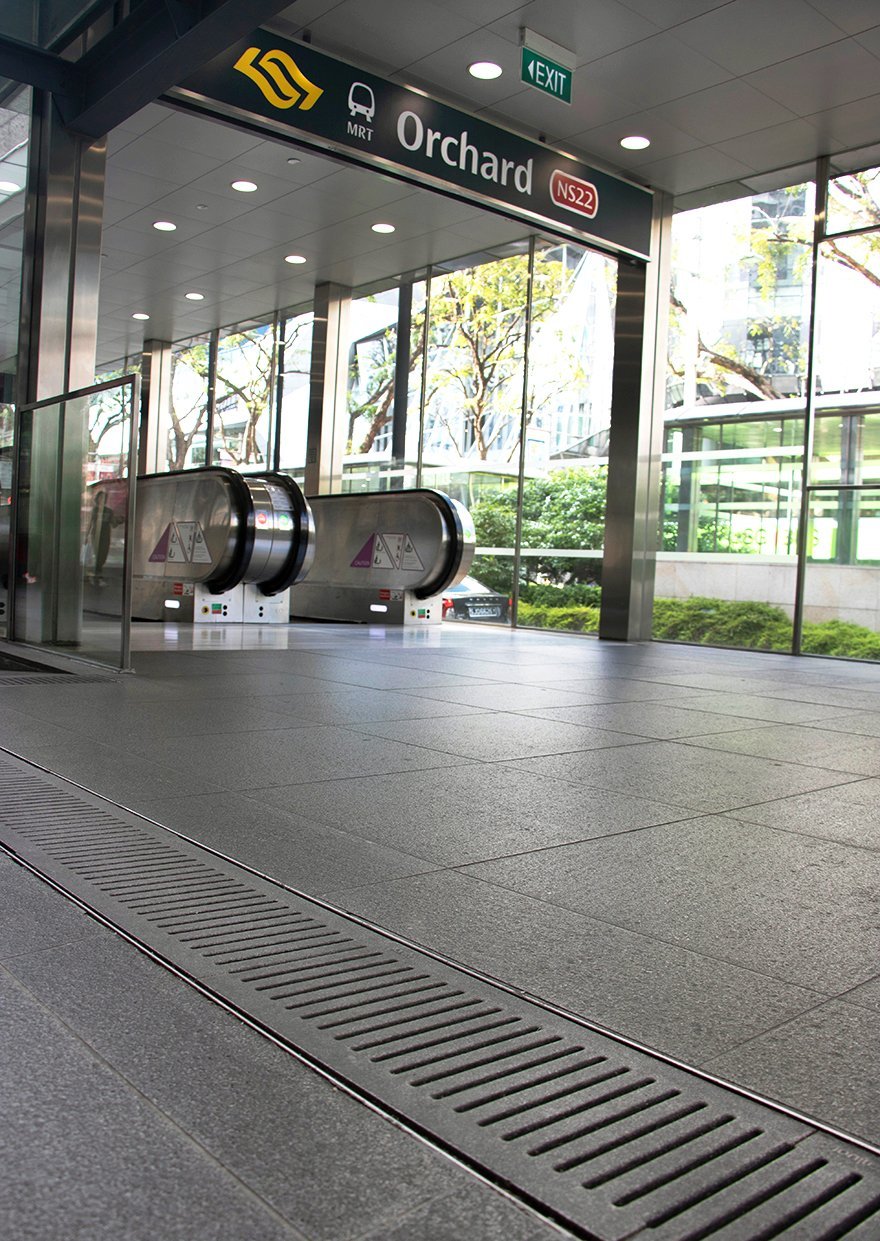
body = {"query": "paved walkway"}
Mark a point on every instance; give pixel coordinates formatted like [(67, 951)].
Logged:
[(681, 845)]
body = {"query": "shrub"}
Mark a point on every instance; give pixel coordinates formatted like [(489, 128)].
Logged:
[(718, 622), (571, 619)]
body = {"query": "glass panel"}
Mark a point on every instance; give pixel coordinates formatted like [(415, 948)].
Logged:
[(186, 432), (243, 401), (70, 564), (842, 581), (474, 394), (847, 434), (295, 385), (14, 139), (381, 456), (732, 466), (854, 201), (571, 358)]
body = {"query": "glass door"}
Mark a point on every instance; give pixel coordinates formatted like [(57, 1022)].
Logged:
[(71, 569)]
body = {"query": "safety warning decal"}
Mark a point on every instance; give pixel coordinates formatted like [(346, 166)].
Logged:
[(388, 551), (182, 542)]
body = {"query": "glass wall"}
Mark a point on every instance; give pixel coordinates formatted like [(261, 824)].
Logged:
[(452, 373), (244, 389), (294, 366), (568, 420), (785, 443), (14, 140), (735, 419)]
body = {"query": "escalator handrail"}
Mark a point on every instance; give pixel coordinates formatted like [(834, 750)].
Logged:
[(302, 545)]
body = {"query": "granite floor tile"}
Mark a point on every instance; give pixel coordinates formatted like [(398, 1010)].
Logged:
[(32, 917), (848, 813), (86, 1157), (279, 842), (472, 1214), (681, 774), (288, 756), (463, 814), (499, 737), (122, 775), (791, 743), (660, 721), (865, 996), (757, 707), (792, 907), (666, 997), (825, 1063), (319, 1159), (344, 705)]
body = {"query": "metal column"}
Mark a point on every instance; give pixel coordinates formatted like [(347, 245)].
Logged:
[(328, 419), (632, 512)]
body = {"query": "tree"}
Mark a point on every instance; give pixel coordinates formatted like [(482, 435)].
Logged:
[(477, 344)]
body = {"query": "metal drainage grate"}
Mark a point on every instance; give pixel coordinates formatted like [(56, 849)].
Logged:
[(608, 1140), (51, 678)]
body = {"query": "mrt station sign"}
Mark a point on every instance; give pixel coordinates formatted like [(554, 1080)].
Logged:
[(291, 90)]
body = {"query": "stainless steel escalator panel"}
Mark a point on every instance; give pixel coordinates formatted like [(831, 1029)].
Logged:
[(373, 548)]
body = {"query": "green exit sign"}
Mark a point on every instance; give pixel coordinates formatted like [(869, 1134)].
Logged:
[(546, 75)]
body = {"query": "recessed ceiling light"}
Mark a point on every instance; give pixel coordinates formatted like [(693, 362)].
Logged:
[(294, 258), (9, 187), (245, 187), (164, 226), (635, 142), (201, 206), (383, 228), (485, 70), (294, 160), (139, 314), (194, 297)]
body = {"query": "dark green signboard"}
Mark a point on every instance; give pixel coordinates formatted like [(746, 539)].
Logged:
[(290, 89), (546, 75)]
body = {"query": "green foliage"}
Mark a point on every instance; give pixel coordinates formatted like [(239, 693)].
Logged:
[(577, 593), (571, 619), (718, 622), (566, 509), (837, 637)]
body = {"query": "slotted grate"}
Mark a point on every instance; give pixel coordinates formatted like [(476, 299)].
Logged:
[(51, 678), (612, 1141)]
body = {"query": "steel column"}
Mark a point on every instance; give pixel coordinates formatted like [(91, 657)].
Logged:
[(328, 398)]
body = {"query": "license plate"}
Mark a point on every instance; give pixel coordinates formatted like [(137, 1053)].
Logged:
[(485, 611)]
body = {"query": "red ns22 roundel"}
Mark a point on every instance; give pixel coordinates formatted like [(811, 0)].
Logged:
[(573, 193)]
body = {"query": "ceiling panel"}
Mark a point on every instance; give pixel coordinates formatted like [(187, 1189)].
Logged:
[(836, 74), (749, 34), (735, 95)]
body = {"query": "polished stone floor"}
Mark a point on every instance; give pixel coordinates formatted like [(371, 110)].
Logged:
[(681, 845)]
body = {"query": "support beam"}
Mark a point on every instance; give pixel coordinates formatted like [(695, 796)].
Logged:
[(157, 46), (328, 394)]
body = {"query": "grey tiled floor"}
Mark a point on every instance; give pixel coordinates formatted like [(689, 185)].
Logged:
[(680, 844)]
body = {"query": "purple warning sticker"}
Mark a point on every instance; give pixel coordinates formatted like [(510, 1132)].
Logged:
[(364, 558), (159, 553)]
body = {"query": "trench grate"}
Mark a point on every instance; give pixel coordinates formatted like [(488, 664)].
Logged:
[(606, 1139)]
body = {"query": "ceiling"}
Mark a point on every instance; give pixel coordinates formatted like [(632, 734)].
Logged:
[(736, 96)]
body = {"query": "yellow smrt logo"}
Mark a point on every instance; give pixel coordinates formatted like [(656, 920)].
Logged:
[(279, 78)]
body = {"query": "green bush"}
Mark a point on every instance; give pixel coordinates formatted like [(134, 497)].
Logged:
[(584, 593), (837, 637), (571, 619), (718, 622)]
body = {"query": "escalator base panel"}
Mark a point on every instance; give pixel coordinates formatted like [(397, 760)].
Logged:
[(606, 1140)]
